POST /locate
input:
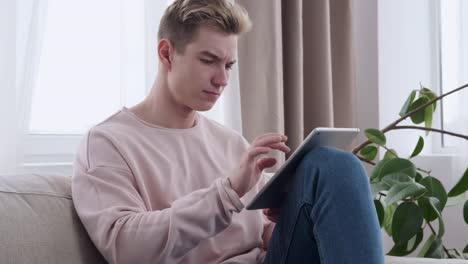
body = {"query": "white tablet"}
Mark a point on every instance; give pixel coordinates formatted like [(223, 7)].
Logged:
[(274, 191)]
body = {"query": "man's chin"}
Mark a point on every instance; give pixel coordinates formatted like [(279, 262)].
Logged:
[(203, 107)]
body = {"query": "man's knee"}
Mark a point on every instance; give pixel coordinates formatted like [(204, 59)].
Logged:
[(333, 163)]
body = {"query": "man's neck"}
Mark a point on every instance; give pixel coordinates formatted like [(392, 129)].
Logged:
[(159, 108)]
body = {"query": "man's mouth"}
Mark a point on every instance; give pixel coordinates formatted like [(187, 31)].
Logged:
[(213, 93)]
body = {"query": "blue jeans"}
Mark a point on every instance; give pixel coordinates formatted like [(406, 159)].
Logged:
[(328, 216)]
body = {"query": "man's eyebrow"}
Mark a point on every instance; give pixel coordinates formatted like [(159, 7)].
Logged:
[(214, 56)]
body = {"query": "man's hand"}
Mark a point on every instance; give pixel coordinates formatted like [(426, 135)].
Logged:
[(272, 214), (252, 162)]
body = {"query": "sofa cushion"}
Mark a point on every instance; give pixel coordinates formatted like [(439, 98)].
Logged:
[(39, 224)]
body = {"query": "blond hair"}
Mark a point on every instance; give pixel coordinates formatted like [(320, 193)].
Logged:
[(182, 19)]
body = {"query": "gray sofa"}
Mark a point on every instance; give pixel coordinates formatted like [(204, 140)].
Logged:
[(38, 224)]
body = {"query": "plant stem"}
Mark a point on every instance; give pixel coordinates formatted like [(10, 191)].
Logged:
[(431, 129), (394, 124), (383, 146), (365, 160), (422, 107), (373, 163), (425, 171), (434, 233)]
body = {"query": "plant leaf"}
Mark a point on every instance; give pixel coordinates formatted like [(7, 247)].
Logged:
[(461, 186), (406, 105), (390, 154), (414, 242), (380, 211), (375, 136), (465, 211), (418, 177), (395, 178), (403, 190), (428, 117), (407, 222), (369, 152), (430, 214), (377, 171), (404, 249), (435, 189), (418, 148), (430, 95), (418, 117), (398, 165), (376, 187), (387, 223), (441, 232), (465, 250), (426, 246), (435, 249)]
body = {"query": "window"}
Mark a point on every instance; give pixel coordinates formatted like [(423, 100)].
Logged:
[(453, 67), (92, 63), (93, 59), (424, 42)]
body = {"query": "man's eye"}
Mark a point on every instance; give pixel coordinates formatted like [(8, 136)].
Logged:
[(229, 67), (208, 62)]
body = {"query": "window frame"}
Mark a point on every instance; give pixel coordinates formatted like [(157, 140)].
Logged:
[(45, 152), (438, 146)]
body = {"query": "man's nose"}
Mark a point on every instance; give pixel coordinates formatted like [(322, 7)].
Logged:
[(221, 78)]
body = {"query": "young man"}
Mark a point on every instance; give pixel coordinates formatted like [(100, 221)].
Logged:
[(160, 183)]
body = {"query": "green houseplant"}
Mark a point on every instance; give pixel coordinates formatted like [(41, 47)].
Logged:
[(409, 199)]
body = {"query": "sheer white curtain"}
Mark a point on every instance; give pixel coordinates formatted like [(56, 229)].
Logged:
[(232, 105), (30, 22), (7, 85), (21, 43)]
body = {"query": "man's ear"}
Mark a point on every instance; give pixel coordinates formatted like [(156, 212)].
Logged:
[(165, 50)]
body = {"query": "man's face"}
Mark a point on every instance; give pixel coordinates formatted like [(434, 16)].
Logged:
[(197, 77)]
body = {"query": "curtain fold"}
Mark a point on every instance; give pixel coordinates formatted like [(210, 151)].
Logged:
[(293, 62), (296, 67), (344, 90), (21, 35), (7, 86), (260, 70), (30, 27)]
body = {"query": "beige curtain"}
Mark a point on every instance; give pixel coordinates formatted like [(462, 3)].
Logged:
[(296, 67)]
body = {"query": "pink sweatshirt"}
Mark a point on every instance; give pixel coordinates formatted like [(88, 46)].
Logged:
[(148, 194)]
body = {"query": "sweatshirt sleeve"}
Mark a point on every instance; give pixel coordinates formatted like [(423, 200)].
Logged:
[(268, 226), (111, 209)]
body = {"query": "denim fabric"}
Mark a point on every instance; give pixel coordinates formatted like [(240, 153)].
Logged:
[(328, 216)]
